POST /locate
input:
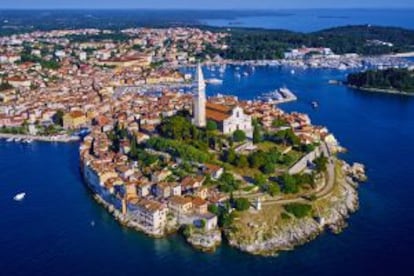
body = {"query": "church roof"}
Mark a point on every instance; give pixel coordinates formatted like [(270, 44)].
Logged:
[(217, 112)]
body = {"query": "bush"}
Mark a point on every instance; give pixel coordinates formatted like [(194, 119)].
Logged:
[(293, 183), (212, 208), (241, 204), (273, 189), (242, 161), (268, 168), (299, 210), (285, 216)]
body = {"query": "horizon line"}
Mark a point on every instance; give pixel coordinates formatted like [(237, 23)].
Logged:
[(210, 9)]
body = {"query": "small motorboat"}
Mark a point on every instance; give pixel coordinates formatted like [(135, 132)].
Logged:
[(315, 104), (19, 196)]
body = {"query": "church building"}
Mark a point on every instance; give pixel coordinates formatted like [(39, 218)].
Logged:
[(228, 118)]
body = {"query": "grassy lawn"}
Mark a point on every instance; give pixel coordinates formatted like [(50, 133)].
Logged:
[(252, 224)]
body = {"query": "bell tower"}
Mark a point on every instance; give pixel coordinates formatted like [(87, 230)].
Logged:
[(199, 100)]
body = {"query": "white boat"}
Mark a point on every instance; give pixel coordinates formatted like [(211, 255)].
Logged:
[(292, 72), (245, 74), (214, 81), (10, 139), (237, 75), (17, 139), (315, 104), (19, 197)]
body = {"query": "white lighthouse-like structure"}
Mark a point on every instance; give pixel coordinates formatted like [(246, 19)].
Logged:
[(199, 100)]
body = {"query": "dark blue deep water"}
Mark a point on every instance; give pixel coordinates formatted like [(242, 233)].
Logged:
[(50, 232)]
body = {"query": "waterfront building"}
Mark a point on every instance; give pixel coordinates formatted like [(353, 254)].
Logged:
[(151, 214), (74, 120), (180, 205), (199, 205)]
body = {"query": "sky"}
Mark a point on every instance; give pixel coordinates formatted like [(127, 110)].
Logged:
[(202, 4)]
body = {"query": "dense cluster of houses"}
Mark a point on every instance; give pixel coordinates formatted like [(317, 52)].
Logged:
[(84, 90), (32, 93)]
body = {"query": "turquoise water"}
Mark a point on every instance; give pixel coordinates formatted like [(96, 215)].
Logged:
[(51, 233), (314, 19)]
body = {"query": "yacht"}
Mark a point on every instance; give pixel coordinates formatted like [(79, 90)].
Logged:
[(214, 81)]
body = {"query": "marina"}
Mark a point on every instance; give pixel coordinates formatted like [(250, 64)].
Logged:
[(65, 220), (278, 96)]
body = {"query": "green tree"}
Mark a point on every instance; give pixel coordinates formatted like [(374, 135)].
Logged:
[(58, 117), (260, 180), (230, 156), (320, 163), (212, 208), (211, 125), (239, 136), (268, 168), (176, 127), (257, 136)]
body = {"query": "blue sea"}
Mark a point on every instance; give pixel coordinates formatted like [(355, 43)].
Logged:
[(318, 19), (59, 229)]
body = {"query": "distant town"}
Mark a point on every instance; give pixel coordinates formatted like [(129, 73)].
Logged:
[(163, 157)]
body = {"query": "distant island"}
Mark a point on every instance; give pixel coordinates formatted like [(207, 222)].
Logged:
[(256, 44), (391, 80)]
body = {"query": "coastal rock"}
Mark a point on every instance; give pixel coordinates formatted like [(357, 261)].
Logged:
[(285, 237), (207, 242)]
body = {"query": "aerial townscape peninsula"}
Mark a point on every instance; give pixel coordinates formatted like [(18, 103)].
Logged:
[(164, 157)]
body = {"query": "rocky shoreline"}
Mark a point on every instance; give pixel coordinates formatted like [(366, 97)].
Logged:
[(332, 213), (379, 90)]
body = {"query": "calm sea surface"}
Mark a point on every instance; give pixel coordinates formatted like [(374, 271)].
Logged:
[(314, 20), (51, 232)]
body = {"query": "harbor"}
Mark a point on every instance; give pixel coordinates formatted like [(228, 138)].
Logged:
[(22, 138)]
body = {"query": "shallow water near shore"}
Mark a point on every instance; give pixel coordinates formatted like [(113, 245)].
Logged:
[(51, 230)]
